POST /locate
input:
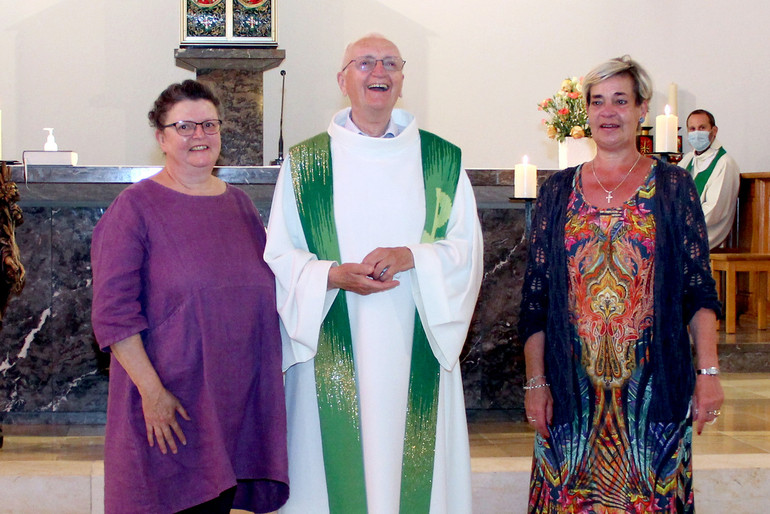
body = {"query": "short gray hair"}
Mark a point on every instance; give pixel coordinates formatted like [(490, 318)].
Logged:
[(620, 66)]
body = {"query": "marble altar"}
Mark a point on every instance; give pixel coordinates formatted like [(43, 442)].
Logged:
[(51, 370)]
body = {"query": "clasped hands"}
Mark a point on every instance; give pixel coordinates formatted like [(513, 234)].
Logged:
[(374, 273)]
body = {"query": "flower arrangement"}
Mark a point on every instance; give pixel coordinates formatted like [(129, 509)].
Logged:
[(567, 110)]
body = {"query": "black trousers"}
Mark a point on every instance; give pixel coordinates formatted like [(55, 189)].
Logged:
[(219, 505)]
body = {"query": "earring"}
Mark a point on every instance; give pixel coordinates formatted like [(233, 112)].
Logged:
[(641, 119)]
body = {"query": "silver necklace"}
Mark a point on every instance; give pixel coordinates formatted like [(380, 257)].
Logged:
[(610, 191)]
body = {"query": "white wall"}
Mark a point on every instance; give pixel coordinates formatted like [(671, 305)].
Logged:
[(475, 70)]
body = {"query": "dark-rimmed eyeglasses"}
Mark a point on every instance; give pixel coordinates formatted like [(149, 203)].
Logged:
[(368, 63), (187, 128)]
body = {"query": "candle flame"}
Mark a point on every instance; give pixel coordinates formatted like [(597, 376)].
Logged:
[(525, 160), (667, 110)]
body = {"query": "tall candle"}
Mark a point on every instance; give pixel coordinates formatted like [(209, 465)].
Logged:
[(525, 179), (673, 98), (666, 126)]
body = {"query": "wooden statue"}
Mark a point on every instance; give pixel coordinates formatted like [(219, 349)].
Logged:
[(12, 274)]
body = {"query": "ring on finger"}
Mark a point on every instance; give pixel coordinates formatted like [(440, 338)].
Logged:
[(715, 412), (384, 270)]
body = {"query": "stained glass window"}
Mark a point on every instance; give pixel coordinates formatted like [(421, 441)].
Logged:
[(229, 22)]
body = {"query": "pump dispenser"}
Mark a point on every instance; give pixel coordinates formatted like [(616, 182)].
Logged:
[(50, 142)]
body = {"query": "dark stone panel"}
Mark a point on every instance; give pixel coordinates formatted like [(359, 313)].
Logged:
[(80, 374), (63, 378), (492, 360), (748, 358), (25, 337), (55, 418)]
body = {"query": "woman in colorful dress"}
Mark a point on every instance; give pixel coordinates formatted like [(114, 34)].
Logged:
[(185, 304), (618, 271)]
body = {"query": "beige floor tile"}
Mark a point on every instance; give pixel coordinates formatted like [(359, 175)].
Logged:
[(733, 392), (716, 443), (759, 440), (488, 450)]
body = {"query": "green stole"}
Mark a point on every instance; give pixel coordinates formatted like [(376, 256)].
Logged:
[(338, 404), (703, 177)]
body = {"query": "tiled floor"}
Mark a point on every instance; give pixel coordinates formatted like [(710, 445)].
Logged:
[(743, 427), (52, 442)]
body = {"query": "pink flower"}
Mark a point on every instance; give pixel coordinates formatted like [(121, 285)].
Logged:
[(563, 112), (574, 95)]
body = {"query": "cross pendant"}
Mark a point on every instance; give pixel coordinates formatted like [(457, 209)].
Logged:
[(609, 196)]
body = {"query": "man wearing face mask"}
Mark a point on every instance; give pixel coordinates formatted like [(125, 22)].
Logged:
[(717, 176)]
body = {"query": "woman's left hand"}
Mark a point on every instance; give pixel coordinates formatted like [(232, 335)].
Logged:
[(707, 400), (160, 409), (538, 404)]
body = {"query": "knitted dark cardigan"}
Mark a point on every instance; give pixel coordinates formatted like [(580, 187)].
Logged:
[(683, 285)]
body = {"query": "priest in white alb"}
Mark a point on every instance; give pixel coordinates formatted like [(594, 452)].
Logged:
[(375, 242), (716, 174)]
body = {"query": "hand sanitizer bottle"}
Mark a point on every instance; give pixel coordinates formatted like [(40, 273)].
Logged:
[(50, 142)]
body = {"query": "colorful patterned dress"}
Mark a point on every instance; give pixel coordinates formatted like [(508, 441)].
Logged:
[(610, 458)]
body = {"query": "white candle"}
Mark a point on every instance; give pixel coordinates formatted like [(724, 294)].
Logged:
[(525, 179), (673, 98), (1, 135), (666, 126)]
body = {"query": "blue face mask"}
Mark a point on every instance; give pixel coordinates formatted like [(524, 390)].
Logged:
[(699, 139)]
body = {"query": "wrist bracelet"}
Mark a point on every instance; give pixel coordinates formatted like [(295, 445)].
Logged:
[(538, 386), (532, 380), (713, 371)]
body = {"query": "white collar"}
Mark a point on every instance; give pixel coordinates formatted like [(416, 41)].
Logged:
[(392, 130)]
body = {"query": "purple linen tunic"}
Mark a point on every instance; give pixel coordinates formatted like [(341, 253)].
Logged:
[(187, 274)]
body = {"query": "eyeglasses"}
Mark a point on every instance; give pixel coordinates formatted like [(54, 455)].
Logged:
[(187, 128), (369, 63)]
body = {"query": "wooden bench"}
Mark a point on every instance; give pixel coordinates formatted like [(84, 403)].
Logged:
[(732, 263)]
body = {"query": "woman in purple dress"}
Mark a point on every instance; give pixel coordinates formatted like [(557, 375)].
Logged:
[(185, 304)]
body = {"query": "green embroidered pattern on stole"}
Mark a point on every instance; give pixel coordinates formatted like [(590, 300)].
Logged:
[(703, 177), (441, 171), (334, 367)]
